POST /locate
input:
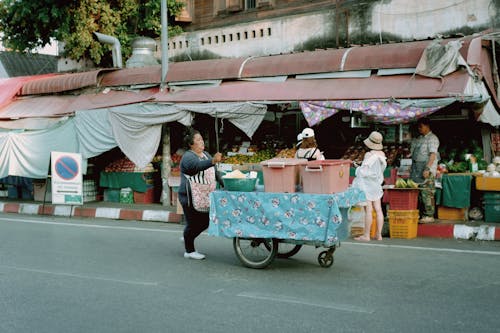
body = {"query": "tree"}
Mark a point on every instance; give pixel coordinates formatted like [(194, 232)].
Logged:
[(28, 24)]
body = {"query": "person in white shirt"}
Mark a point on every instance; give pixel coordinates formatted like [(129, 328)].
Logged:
[(369, 179), (308, 147)]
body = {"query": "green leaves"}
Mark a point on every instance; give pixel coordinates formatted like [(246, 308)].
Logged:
[(28, 24)]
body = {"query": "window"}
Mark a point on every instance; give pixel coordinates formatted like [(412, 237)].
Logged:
[(250, 4), (221, 6), (187, 13)]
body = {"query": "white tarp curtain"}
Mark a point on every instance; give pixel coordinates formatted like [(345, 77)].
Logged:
[(489, 114), (27, 153), (136, 128), (246, 116)]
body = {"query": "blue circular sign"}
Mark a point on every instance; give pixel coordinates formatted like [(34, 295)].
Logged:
[(66, 167)]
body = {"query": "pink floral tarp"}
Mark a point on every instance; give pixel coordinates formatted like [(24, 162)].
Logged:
[(385, 112)]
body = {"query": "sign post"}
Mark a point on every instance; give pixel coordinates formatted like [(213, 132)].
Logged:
[(67, 178)]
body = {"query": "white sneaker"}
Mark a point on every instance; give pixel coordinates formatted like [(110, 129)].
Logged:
[(194, 255)]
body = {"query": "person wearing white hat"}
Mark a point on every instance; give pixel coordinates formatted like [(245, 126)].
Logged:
[(369, 179), (308, 147)]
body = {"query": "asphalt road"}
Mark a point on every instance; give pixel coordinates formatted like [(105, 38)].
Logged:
[(86, 275)]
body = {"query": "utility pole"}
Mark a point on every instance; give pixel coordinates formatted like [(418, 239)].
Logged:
[(164, 43)]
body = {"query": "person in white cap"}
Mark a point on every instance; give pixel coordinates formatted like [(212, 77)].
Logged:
[(308, 147), (369, 179)]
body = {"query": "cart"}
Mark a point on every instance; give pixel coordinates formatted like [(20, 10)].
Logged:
[(266, 225)]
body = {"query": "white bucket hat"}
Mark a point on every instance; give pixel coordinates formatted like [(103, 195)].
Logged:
[(374, 141)]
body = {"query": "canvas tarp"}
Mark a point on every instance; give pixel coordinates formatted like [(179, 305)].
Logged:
[(398, 111), (136, 129), (27, 153)]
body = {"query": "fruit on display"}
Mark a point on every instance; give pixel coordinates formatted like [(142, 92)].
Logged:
[(258, 156), (393, 153), (411, 184), (401, 183), (126, 165), (286, 153)]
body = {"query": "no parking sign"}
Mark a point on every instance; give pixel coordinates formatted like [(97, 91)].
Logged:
[(67, 179)]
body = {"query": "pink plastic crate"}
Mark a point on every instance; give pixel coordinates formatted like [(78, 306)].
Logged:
[(325, 176), (282, 174)]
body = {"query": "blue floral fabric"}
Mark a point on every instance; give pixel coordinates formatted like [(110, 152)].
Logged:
[(302, 217)]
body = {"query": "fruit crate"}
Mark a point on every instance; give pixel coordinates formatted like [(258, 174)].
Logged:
[(403, 198), (403, 223)]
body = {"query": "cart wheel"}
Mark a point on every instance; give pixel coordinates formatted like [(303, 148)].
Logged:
[(255, 252), (325, 258), (286, 250)]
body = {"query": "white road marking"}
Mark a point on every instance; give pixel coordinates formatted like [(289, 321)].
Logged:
[(425, 248), (287, 299), (89, 225), (79, 276)]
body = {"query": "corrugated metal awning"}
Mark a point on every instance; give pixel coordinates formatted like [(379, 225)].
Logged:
[(374, 87), (57, 106), (60, 83)]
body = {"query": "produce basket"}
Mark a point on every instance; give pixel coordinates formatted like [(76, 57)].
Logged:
[(239, 184), (403, 198), (403, 223)]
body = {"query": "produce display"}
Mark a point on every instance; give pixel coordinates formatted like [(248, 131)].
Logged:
[(402, 183), (256, 157), (393, 153), (126, 165), (469, 157)]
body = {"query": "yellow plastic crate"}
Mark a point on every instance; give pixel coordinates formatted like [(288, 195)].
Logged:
[(403, 223)]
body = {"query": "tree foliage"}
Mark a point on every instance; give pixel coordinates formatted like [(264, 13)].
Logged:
[(28, 24)]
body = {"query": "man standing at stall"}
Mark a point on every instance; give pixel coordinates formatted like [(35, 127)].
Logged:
[(424, 155)]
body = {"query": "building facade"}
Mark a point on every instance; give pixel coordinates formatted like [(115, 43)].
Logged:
[(242, 28)]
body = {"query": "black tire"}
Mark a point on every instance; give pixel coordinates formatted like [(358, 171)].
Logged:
[(255, 252), (325, 259), (286, 250)]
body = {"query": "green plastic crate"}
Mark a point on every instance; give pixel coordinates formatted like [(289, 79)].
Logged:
[(492, 212), (239, 184)]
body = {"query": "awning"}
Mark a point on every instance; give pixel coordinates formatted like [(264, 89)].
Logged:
[(11, 87), (373, 87), (57, 106)]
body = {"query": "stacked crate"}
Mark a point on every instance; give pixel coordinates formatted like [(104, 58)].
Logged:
[(403, 213)]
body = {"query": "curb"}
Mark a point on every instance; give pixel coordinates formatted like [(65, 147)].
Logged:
[(459, 231), (96, 212), (433, 230)]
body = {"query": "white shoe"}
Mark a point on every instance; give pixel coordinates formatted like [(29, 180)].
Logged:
[(194, 255)]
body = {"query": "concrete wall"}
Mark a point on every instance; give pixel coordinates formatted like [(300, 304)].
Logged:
[(371, 22)]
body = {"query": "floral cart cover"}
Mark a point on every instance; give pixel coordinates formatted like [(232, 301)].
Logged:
[(291, 216)]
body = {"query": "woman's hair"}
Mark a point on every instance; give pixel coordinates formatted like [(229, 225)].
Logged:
[(189, 137), (308, 143)]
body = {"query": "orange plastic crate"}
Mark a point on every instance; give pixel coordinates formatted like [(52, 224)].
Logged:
[(403, 198), (451, 213), (403, 223)]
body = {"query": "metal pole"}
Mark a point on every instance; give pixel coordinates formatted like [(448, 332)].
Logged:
[(164, 44)]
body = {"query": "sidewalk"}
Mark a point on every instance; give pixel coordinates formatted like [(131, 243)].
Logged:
[(157, 213)]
